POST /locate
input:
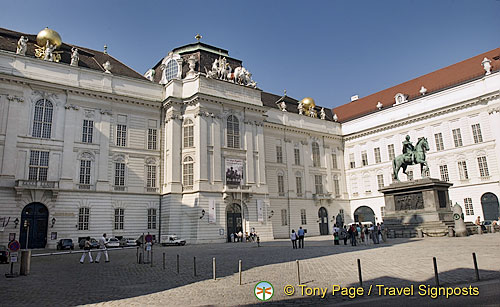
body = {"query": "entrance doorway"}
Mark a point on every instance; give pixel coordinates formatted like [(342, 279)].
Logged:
[(489, 202), (233, 221), (364, 214), (323, 221), (37, 217)]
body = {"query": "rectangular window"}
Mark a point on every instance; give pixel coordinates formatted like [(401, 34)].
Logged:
[(151, 218), (462, 170), (439, 141), (298, 184), (118, 219), (119, 174), (380, 181), (87, 131), (334, 161), (352, 162), (296, 153), (152, 138), (457, 137), (39, 165), (284, 217), (364, 158), (336, 186), (85, 171), (476, 133), (443, 170), (376, 153), (483, 167), (279, 154), (281, 185), (83, 218), (318, 184), (151, 179), (121, 135), (390, 151), (469, 209), (303, 217)]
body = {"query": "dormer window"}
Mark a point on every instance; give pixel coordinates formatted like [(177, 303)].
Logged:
[(171, 68), (400, 98)]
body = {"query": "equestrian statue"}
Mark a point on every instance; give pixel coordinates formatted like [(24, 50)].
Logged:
[(411, 155)]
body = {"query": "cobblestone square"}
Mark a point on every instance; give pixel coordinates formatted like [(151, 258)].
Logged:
[(63, 281)]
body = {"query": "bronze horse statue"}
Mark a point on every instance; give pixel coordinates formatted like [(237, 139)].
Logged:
[(418, 157)]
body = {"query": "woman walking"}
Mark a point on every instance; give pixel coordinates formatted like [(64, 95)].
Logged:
[(293, 237), (87, 247)]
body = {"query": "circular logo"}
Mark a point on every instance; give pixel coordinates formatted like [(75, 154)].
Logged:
[(263, 290), (456, 216)]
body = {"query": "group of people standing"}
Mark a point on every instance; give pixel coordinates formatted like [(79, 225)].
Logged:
[(102, 248), (297, 236), (359, 233)]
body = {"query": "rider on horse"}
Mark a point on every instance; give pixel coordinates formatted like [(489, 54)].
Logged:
[(408, 150)]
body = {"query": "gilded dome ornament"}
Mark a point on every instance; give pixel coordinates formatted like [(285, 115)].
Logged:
[(308, 106), (47, 41)]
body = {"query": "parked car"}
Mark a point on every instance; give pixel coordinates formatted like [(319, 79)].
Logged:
[(128, 242), (172, 240), (93, 243), (4, 254), (113, 242), (65, 244)]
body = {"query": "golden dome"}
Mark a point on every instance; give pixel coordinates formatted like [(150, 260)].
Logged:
[(48, 34), (308, 103)]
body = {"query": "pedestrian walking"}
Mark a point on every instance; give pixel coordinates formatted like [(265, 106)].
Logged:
[(344, 234), (301, 234), (293, 237), (86, 249), (367, 235), (353, 234), (102, 249), (336, 238)]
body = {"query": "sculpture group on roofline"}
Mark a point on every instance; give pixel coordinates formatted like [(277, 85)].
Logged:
[(222, 70)]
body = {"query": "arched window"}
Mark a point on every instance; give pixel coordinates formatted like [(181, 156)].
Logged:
[(42, 121), (187, 173), (85, 168), (171, 70), (188, 128), (316, 156), (233, 132)]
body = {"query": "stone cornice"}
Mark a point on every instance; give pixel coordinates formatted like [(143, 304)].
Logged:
[(301, 131)]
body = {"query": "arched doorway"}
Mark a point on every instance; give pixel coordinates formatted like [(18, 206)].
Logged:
[(37, 217), (489, 202), (234, 220), (323, 221), (364, 214)]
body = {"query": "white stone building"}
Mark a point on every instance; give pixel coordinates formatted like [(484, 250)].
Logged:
[(194, 148)]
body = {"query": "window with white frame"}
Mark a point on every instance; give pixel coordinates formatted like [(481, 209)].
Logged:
[(152, 136), (119, 174), (188, 128), (151, 218), (119, 218), (318, 184), (121, 135), (483, 166), (457, 137), (39, 165), (296, 153), (233, 132), (151, 176), (390, 152), (364, 158), (462, 170), (303, 217), (352, 162), (281, 185), (380, 181), (42, 119), (279, 154), (316, 155), (476, 133), (298, 184), (438, 137), (85, 167), (188, 173), (443, 170), (336, 185), (334, 161), (171, 69), (83, 218), (284, 217), (469, 209), (376, 153), (87, 131)]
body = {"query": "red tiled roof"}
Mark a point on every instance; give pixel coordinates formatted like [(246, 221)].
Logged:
[(435, 81)]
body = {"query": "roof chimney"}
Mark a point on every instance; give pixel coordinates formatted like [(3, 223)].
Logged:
[(354, 98)]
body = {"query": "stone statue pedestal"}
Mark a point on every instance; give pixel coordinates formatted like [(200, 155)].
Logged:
[(422, 203)]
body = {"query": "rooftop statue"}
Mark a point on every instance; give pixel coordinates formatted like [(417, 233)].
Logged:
[(22, 45), (74, 57), (411, 155)]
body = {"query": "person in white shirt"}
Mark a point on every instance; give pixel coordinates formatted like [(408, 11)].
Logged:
[(293, 237), (102, 248)]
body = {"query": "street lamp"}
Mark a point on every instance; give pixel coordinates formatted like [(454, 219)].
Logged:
[(202, 213)]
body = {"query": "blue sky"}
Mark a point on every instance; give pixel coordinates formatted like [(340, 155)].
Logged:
[(328, 50)]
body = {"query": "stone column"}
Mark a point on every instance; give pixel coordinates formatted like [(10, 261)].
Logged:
[(7, 167), (102, 162), (68, 155), (250, 177), (174, 139)]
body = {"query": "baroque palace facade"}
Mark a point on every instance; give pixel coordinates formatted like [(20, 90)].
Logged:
[(195, 148)]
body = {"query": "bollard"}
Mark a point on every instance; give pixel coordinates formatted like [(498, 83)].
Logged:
[(151, 256), (420, 233), (194, 266), (25, 262), (298, 270), (359, 274), (479, 230), (475, 266), (137, 254), (213, 268), (140, 258), (177, 263), (239, 268), (258, 241), (436, 277), (164, 261)]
